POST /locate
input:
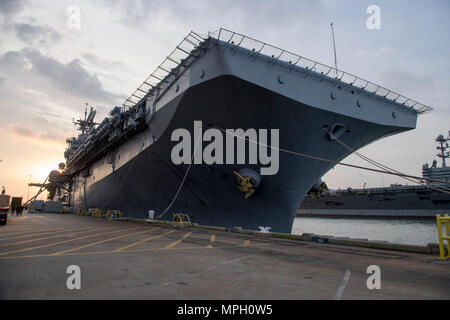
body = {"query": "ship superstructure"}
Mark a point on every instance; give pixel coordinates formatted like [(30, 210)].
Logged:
[(228, 81), (433, 172)]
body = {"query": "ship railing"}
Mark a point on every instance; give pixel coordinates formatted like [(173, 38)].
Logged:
[(234, 40), (167, 72)]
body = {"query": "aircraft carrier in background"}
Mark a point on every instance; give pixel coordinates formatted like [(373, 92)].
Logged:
[(226, 80), (396, 201)]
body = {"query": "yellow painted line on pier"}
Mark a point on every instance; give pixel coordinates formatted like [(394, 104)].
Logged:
[(99, 242), (17, 230), (52, 237), (211, 240), (173, 244), (142, 241), (40, 233), (59, 242), (128, 251), (246, 243)]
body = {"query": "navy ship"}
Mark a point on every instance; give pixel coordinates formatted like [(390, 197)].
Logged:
[(232, 83), (421, 201)]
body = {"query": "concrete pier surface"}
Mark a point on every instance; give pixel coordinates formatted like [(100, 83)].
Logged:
[(129, 260)]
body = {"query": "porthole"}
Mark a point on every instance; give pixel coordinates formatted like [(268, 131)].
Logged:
[(177, 88), (358, 104), (281, 79), (332, 96), (202, 73), (394, 115)]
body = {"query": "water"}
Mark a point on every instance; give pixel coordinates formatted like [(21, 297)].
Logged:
[(420, 232)]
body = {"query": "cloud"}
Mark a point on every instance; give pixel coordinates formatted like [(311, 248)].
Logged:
[(424, 88), (71, 78), (14, 59), (10, 8), (52, 136), (38, 134), (383, 51), (154, 15), (405, 79), (42, 35), (132, 12), (94, 60), (22, 131)]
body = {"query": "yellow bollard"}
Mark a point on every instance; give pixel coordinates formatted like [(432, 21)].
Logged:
[(441, 243), (445, 219), (95, 212), (447, 231), (181, 218), (114, 214)]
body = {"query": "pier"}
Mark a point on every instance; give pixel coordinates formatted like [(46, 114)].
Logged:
[(144, 260)]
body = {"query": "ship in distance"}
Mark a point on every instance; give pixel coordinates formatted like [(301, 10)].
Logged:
[(418, 201), (231, 83)]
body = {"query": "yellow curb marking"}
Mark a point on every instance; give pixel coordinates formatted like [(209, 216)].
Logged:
[(211, 240)]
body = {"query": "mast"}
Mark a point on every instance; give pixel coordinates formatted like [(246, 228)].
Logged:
[(334, 48), (444, 154), (85, 111), (88, 122)]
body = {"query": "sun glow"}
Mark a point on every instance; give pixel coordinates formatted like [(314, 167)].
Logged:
[(39, 173)]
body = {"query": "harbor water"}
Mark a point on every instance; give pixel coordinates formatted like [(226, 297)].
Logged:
[(419, 232)]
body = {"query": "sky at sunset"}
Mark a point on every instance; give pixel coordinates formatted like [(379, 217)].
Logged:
[(48, 71)]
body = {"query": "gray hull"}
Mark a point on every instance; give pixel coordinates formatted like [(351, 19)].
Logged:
[(230, 89), (209, 195), (408, 203)]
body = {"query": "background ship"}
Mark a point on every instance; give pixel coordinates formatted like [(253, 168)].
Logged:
[(226, 80), (396, 201)]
